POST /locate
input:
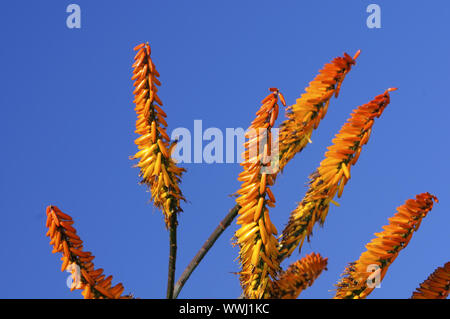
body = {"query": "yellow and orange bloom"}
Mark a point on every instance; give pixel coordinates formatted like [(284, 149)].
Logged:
[(65, 240), (332, 174), (305, 115), (258, 246), (361, 277), (157, 168), (299, 276), (436, 286)]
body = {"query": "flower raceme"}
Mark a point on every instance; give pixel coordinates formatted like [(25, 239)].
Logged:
[(436, 286), (305, 115), (299, 276), (65, 240), (157, 169), (332, 174), (358, 278), (258, 246)]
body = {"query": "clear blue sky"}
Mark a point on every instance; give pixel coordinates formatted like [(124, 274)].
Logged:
[(67, 130)]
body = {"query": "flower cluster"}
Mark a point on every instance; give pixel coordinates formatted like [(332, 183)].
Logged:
[(299, 276), (258, 245), (305, 115), (65, 240), (332, 174), (157, 169), (360, 277)]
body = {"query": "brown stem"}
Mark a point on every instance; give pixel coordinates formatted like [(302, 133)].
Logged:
[(172, 255), (204, 249)]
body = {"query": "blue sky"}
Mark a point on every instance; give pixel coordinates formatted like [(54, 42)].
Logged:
[(67, 131)]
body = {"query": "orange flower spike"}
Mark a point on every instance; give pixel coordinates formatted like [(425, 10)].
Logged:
[(332, 174), (436, 286), (73, 257), (154, 140), (361, 277), (299, 276), (305, 115), (258, 252)]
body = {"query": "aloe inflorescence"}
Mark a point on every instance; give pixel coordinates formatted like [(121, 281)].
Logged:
[(362, 276), (157, 168), (79, 262)]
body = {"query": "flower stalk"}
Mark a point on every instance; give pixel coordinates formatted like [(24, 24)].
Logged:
[(332, 175), (361, 277), (157, 168), (258, 246), (65, 240), (306, 114)]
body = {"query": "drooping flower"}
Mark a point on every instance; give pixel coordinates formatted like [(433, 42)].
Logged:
[(332, 174), (65, 240), (436, 286), (299, 276), (305, 115), (157, 168), (362, 276), (258, 246)]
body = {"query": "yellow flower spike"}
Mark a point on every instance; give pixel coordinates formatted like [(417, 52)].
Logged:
[(305, 116), (331, 176), (157, 169), (258, 256), (361, 277), (299, 276)]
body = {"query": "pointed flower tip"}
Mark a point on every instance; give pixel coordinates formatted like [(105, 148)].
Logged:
[(433, 197), (392, 89), (138, 47), (356, 54)]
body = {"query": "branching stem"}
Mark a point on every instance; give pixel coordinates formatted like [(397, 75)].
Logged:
[(204, 249)]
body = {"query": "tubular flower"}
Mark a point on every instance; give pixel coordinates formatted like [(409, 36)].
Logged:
[(332, 174), (157, 169), (258, 245), (299, 276), (436, 286), (305, 115), (65, 240), (362, 276)]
